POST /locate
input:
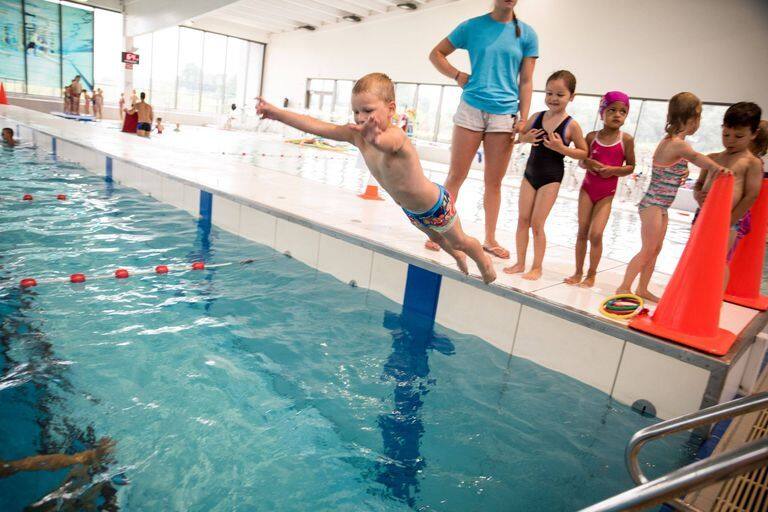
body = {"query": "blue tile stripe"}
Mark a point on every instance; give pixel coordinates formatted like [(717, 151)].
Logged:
[(206, 206), (53, 147), (108, 170), (422, 290)]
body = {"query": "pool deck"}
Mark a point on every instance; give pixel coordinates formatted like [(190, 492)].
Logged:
[(372, 243)]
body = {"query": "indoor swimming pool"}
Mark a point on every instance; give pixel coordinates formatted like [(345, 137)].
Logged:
[(263, 384)]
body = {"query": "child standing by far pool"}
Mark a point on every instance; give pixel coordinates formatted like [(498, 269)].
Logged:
[(611, 155), (550, 133), (683, 118)]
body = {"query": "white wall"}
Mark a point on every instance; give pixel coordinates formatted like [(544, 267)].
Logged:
[(717, 49)]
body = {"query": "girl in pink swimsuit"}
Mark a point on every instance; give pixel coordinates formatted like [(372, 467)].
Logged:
[(611, 155)]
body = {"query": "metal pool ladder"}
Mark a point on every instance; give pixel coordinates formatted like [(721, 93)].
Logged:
[(699, 474)]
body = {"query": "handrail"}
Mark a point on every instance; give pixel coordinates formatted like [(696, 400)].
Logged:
[(687, 479), (689, 421), (669, 487)]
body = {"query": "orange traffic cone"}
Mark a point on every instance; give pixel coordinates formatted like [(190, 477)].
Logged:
[(371, 191), (3, 97), (689, 309), (372, 188), (747, 262)]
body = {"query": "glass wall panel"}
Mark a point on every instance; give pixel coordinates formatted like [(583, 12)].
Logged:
[(214, 62), (165, 45), (342, 106), (584, 110), (426, 111), (709, 137), (108, 43), (43, 53), (142, 72), (253, 84), (405, 94), (11, 42), (190, 68), (451, 100), (77, 44), (236, 70)]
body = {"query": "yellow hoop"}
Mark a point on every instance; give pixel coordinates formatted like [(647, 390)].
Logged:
[(614, 316)]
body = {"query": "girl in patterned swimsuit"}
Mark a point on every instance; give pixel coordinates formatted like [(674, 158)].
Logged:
[(683, 118)]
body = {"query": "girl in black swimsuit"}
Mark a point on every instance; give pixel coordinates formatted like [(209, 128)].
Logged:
[(550, 134)]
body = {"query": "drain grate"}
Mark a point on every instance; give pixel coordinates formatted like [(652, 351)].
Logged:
[(748, 492)]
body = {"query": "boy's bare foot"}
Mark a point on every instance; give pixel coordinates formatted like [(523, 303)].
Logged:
[(432, 246), (532, 275), (515, 269), (486, 269), (645, 294), (461, 262), (574, 279), (588, 281)]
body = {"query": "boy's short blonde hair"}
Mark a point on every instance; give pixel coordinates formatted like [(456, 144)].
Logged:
[(376, 83)]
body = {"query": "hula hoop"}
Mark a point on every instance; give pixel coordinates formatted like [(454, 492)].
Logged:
[(622, 306)]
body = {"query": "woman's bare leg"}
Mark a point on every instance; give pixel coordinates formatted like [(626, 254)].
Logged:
[(464, 145), (497, 150)]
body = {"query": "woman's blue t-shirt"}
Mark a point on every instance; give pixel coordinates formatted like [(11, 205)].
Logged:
[(496, 54)]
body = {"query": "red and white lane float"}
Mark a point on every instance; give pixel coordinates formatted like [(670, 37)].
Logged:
[(123, 273)]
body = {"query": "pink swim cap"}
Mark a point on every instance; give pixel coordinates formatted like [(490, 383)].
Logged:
[(611, 97)]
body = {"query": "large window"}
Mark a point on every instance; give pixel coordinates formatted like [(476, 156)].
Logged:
[(214, 64), (163, 67), (433, 107), (12, 45), (188, 69), (44, 44)]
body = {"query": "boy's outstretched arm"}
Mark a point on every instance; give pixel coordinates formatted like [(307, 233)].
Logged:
[(305, 123), (388, 140)]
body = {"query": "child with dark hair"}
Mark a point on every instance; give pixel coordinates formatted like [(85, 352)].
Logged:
[(8, 139), (550, 133), (741, 127)]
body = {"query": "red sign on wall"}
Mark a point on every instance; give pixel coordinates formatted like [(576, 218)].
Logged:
[(130, 58)]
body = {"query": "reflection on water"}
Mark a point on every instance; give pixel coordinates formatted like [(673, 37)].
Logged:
[(401, 428)]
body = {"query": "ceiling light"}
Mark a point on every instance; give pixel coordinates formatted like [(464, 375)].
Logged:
[(352, 17), (308, 27), (408, 6)]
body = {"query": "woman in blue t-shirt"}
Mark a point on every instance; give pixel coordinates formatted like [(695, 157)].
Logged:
[(494, 103)]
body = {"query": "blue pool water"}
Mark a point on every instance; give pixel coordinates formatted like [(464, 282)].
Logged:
[(263, 386)]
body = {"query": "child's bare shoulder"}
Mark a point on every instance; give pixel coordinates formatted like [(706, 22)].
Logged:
[(753, 164), (627, 137)]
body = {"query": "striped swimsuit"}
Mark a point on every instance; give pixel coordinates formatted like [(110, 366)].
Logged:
[(665, 181)]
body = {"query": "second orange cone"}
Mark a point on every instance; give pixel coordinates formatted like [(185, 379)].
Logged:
[(689, 309), (747, 262)]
